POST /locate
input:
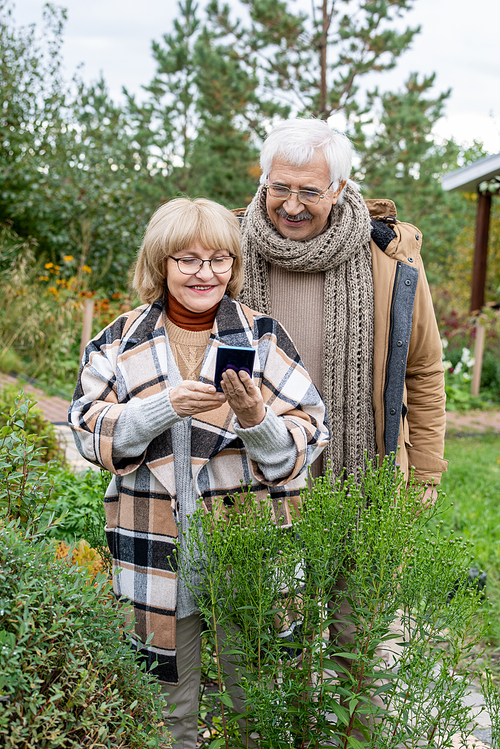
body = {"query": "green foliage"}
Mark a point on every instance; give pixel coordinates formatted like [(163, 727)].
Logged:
[(196, 115), (68, 677), (78, 500), (30, 423), (313, 62), (70, 164), (459, 332), (390, 561), (25, 476)]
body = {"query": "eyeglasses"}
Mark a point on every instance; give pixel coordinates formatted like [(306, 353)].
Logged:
[(305, 196), (191, 265)]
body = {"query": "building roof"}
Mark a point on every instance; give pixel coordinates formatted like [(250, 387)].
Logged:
[(468, 178)]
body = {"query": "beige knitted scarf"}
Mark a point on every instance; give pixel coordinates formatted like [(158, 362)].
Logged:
[(342, 252)]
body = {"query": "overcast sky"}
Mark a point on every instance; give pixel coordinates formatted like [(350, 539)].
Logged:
[(459, 41)]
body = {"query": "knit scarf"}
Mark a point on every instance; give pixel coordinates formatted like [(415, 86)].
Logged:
[(342, 252)]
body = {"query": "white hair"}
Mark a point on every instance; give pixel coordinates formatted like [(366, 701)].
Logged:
[(297, 140)]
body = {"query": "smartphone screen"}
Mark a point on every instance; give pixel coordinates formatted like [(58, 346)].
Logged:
[(233, 357)]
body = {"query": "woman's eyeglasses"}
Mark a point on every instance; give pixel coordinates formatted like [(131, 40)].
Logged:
[(191, 265)]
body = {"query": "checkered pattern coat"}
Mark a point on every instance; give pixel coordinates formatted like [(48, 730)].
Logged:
[(128, 359)]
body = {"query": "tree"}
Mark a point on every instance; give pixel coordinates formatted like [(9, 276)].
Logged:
[(74, 177), (202, 110), (314, 63)]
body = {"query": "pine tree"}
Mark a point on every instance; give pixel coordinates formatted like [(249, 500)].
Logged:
[(314, 63), (203, 111)]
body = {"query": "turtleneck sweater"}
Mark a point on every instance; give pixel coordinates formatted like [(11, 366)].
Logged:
[(186, 319)]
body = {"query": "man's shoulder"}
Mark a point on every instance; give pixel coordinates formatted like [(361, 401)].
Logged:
[(396, 239), (239, 213)]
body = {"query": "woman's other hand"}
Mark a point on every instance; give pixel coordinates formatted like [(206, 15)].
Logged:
[(190, 398), (244, 398)]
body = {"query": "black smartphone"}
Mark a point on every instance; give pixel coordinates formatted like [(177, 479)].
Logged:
[(237, 358)]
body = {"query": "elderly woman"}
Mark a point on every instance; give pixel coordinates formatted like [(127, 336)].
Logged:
[(146, 408)]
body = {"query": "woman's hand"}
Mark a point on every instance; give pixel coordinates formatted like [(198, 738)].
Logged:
[(244, 398), (190, 398)]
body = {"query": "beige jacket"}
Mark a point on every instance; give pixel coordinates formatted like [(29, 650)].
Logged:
[(422, 419)]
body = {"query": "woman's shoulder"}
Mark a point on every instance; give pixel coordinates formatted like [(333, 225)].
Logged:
[(139, 318)]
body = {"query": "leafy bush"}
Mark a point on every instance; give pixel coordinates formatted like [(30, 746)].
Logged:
[(396, 565), (458, 333), (41, 314), (78, 499), (68, 677), (32, 423), (25, 482)]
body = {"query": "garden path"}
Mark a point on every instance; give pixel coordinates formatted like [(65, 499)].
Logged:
[(473, 422)]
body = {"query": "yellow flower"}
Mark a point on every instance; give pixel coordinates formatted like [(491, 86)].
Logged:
[(86, 269), (43, 278), (68, 258), (57, 267), (49, 265), (53, 290)]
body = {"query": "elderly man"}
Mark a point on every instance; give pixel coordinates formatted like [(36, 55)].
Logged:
[(346, 280)]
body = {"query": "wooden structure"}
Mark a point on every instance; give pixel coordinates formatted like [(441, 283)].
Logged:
[(483, 177)]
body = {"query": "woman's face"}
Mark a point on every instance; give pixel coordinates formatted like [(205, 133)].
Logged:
[(204, 289)]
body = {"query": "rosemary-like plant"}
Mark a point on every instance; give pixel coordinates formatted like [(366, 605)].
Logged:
[(369, 556)]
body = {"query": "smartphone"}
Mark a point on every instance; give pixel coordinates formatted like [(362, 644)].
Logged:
[(237, 358)]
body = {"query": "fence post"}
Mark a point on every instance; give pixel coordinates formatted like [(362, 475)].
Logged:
[(88, 313), (478, 358)]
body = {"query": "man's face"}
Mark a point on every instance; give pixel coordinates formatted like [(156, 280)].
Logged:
[(293, 219)]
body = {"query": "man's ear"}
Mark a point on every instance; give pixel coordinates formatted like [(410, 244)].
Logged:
[(336, 194)]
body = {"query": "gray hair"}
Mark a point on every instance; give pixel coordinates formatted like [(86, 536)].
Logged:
[(297, 140)]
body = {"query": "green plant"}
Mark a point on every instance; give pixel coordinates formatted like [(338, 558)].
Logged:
[(77, 498), (374, 548), (68, 677), (32, 423), (25, 480)]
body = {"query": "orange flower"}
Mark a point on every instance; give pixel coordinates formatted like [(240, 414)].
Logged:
[(49, 265), (43, 278), (86, 269), (68, 258)]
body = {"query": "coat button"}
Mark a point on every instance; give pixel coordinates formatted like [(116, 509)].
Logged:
[(392, 411), (400, 343), (410, 260), (407, 282), (417, 237)]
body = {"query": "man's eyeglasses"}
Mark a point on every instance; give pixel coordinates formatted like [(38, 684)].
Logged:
[(305, 196), (191, 265)]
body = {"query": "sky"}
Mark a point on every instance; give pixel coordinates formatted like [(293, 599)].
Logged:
[(459, 42)]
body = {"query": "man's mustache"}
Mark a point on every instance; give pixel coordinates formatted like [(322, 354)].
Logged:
[(299, 217)]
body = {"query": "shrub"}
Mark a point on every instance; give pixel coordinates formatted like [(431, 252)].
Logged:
[(32, 423), (68, 677), (396, 564), (25, 483), (78, 499)]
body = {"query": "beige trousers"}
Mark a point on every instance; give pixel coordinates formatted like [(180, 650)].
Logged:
[(181, 711)]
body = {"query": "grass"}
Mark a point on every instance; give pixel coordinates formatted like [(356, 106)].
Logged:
[(472, 487)]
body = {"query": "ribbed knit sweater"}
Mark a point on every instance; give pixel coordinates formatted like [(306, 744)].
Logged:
[(303, 322), (269, 443)]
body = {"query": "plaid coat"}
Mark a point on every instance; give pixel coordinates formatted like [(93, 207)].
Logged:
[(128, 359)]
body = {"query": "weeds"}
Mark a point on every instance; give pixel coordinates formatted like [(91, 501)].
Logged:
[(340, 627)]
